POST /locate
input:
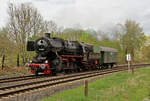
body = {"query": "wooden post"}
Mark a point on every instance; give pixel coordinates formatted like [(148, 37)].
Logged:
[(18, 60), (23, 60), (132, 69), (129, 67), (3, 61), (86, 88)]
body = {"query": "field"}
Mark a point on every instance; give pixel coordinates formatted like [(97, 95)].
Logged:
[(117, 87)]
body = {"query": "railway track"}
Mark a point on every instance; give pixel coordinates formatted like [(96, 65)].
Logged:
[(32, 78), (15, 89), (20, 78), (50, 81)]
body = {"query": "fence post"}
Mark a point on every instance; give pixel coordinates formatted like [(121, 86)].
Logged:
[(129, 67), (18, 60), (132, 69), (86, 88), (3, 61), (23, 60)]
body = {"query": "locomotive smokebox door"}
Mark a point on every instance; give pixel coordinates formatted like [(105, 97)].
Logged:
[(30, 46)]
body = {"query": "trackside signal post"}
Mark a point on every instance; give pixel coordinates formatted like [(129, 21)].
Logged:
[(128, 58)]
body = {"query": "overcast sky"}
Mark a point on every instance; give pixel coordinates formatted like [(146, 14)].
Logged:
[(97, 14)]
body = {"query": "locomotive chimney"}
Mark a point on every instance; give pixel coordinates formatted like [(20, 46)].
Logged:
[(47, 35)]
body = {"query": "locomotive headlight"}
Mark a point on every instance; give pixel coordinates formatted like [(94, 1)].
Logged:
[(42, 66), (46, 61), (30, 61)]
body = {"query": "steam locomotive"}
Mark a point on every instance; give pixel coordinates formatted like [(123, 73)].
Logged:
[(55, 55)]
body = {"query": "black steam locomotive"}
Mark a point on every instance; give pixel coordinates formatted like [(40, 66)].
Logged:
[(55, 55)]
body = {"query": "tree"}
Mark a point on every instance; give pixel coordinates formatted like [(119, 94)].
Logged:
[(5, 44), (51, 26), (102, 35), (133, 38), (24, 22)]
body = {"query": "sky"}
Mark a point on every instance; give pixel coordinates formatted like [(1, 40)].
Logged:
[(96, 14)]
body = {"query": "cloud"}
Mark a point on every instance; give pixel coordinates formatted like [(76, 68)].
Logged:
[(57, 2), (97, 14)]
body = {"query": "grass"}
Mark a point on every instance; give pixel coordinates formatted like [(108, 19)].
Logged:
[(14, 71), (10, 66), (118, 87)]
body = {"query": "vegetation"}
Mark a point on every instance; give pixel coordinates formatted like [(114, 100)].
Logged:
[(118, 87), (26, 23), (133, 38)]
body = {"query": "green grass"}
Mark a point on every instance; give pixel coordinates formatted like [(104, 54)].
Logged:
[(118, 87)]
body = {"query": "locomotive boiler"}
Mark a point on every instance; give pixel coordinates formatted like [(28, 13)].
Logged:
[(54, 55)]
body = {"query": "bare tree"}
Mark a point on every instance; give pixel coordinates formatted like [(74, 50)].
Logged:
[(24, 22), (51, 26)]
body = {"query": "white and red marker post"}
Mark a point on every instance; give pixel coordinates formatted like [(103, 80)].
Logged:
[(128, 58)]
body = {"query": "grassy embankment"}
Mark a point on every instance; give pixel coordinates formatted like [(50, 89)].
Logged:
[(12, 71), (118, 87), (10, 67)]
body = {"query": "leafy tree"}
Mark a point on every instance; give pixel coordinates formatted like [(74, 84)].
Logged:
[(133, 38), (6, 45)]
